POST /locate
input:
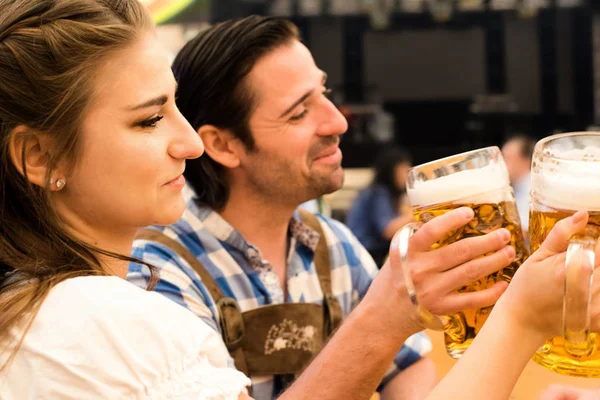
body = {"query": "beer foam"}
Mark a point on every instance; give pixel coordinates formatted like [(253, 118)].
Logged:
[(480, 185), (571, 184)]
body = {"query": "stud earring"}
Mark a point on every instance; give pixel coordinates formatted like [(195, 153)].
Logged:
[(60, 183)]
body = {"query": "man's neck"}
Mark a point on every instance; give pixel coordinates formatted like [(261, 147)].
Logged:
[(262, 222)]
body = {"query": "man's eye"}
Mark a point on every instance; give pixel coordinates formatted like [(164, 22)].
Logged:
[(298, 117)]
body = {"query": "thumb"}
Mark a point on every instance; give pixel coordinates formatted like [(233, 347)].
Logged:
[(558, 239)]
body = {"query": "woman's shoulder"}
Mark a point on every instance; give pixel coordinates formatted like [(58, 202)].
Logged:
[(369, 195), (98, 298), (380, 190), (371, 191), (108, 307), (108, 291), (105, 335)]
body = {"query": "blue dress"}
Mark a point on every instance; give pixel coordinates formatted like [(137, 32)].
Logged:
[(371, 212)]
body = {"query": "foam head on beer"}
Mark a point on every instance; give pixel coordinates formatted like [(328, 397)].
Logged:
[(479, 185), (478, 180), (565, 177), (572, 184)]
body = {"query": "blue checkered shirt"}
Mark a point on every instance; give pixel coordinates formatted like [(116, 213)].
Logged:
[(241, 273)]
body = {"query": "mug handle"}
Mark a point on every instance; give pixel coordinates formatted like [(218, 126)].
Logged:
[(450, 324), (579, 275)]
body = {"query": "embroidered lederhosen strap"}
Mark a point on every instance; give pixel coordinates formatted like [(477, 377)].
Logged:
[(333, 310), (231, 321)]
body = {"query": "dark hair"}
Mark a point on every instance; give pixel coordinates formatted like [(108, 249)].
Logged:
[(526, 145), (49, 53), (211, 70), (385, 169)]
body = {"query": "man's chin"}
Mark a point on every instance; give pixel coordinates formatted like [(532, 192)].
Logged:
[(338, 178), (326, 184), (334, 183)]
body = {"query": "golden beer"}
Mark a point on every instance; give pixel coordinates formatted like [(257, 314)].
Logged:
[(565, 178), (488, 217), (477, 179), (553, 354)]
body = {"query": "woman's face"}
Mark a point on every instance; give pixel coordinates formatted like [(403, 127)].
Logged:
[(400, 174), (134, 143)]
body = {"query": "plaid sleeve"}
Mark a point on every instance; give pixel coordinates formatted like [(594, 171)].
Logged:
[(363, 270), (178, 282)]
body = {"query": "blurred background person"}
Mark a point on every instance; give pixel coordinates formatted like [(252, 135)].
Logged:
[(517, 153), (382, 208)]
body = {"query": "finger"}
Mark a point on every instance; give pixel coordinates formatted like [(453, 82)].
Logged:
[(558, 392), (558, 239), (590, 395), (474, 270), (595, 304), (597, 253), (456, 302), (437, 229), (464, 250)]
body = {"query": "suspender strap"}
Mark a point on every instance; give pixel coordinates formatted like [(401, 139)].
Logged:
[(333, 310), (230, 316), (231, 322), (183, 252)]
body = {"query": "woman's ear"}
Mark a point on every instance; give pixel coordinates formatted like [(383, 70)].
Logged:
[(29, 152), (220, 145)]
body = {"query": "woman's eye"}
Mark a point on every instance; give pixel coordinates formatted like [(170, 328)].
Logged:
[(151, 122)]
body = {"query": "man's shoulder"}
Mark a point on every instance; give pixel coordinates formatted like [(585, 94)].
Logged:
[(344, 247), (187, 231), (335, 230), (352, 266), (186, 247)]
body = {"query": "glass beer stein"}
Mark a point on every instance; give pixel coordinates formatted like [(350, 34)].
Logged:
[(477, 179), (565, 177)]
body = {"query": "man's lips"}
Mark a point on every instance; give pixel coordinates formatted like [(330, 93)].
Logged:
[(327, 153)]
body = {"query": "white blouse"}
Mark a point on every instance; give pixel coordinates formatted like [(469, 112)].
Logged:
[(104, 338)]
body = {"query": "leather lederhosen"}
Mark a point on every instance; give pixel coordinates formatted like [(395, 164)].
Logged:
[(278, 339)]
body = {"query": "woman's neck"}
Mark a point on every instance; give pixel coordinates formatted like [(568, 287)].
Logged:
[(112, 239)]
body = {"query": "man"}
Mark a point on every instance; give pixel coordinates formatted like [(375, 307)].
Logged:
[(258, 101), (517, 153)]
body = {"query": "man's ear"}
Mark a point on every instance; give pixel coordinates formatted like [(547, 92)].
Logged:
[(29, 152), (221, 146)]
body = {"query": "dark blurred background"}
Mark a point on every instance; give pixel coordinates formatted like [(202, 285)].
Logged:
[(441, 76)]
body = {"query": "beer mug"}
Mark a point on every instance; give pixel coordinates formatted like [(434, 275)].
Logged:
[(565, 177), (477, 179)]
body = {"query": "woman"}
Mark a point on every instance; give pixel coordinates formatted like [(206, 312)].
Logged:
[(92, 147), (382, 208)]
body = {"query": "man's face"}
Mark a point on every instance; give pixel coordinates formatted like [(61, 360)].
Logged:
[(295, 127)]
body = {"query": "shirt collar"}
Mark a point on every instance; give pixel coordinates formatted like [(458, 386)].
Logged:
[(303, 233), (222, 230)]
